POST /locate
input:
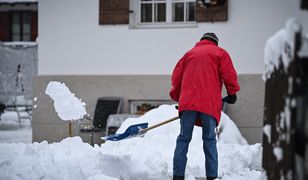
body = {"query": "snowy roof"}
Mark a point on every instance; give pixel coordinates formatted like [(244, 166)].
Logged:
[(20, 43), (18, 1)]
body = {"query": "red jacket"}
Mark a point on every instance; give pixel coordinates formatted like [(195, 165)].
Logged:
[(198, 77)]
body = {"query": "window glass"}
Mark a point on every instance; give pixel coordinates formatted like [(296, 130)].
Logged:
[(146, 12), (168, 11), (190, 11), (26, 27), (16, 37), (177, 12), (16, 27), (21, 26), (26, 37), (160, 12)]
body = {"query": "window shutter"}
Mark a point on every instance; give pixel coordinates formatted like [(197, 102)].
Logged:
[(4, 26), (113, 11), (34, 24), (212, 12)]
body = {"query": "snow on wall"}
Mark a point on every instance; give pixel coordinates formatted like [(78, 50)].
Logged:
[(280, 47), (10, 57)]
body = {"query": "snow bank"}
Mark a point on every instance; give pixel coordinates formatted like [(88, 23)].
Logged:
[(9, 121), (66, 104), (23, 135), (156, 148), (231, 133), (147, 158)]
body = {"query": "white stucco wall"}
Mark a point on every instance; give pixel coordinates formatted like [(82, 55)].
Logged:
[(72, 42)]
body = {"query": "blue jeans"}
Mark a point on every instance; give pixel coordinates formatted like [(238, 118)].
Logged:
[(188, 119)]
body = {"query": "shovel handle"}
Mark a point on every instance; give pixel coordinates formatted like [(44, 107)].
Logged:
[(157, 125)]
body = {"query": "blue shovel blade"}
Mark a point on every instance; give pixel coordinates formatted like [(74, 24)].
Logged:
[(131, 131)]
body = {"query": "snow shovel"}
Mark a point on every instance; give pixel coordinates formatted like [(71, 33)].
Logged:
[(137, 130)]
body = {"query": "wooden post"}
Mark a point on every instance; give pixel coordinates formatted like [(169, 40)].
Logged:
[(285, 115), (70, 129)]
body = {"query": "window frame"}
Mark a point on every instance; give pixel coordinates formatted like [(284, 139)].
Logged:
[(136, 23)]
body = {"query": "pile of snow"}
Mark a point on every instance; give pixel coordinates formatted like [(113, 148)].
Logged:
[(10, 130), (280, 47), (147, 158), (231, 133), (9, 121), (66, 104), (160, 143), (23, 135)]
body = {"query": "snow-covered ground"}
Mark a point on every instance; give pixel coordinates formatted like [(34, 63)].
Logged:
[(144, 158), (10, 130)]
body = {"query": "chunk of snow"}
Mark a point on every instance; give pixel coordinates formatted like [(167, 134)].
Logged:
[(267, 132), (278, 152), (66, 104), (287, 119)]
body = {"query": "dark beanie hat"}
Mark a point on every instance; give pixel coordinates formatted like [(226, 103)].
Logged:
[(210, 36)]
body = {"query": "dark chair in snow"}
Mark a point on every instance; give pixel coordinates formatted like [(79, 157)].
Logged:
[(105, 106)]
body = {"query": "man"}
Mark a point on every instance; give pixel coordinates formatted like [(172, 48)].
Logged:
[(197, 81)]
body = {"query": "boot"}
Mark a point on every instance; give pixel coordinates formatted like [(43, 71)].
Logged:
[(175, 177)]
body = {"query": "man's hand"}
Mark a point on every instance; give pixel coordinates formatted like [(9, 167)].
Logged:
[(230, 99)]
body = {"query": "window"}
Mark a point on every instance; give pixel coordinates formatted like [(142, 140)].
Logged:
[(166, 11), (142, 106), (183, 11), (161, 13), (153, 11), (21, 26)]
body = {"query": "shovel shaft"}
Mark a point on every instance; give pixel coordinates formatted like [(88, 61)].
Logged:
[(157, 125)]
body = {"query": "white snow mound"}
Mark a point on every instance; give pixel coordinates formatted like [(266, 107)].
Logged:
[(147, 158)]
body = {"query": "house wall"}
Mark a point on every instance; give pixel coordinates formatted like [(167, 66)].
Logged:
[(72, 42), (247, 112), (117, 60)]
